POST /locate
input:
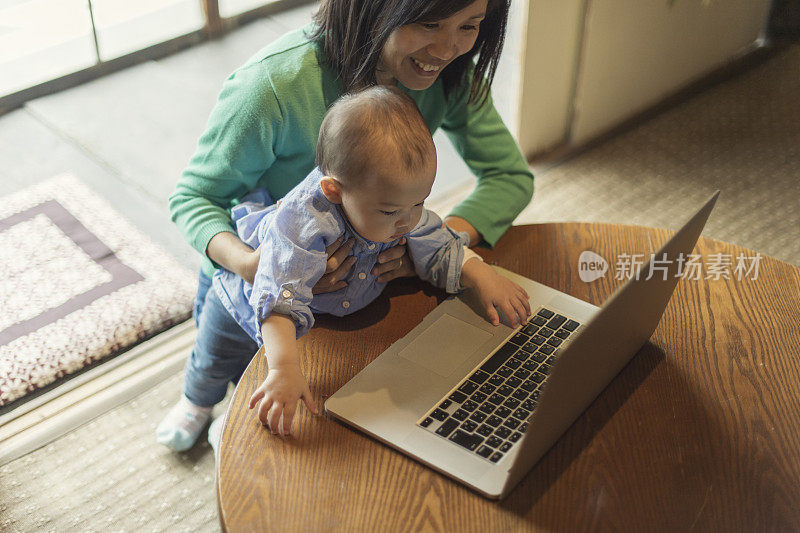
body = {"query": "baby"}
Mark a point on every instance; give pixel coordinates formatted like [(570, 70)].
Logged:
[(376, 165)]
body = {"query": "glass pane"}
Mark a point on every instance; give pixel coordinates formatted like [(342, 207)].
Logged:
[(41, 40), (124, 26), (505, 89)]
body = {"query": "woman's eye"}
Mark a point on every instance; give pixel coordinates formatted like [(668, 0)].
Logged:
[(469, 28), (389, 213), (429, 25)]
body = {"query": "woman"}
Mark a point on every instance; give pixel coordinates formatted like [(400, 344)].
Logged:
[(263, 130)]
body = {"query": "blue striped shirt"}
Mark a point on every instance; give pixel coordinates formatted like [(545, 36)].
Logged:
[(293, 238)]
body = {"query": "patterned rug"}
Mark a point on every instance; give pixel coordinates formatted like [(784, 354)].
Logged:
[(77, 283)]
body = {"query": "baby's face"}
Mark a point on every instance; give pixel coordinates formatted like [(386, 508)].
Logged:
[(385, 208)]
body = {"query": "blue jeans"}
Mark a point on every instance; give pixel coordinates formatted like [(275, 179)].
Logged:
[(222, 350)]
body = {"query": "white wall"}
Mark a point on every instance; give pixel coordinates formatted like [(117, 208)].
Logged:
[(551, 45), (611, 59)]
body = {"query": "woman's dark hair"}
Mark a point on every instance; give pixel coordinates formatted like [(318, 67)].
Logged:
[(354, 33)]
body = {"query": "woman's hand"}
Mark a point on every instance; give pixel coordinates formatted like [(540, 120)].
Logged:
[(339, 264), (394, 263)]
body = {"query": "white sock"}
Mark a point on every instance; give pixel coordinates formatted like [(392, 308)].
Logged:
[(215, 432), (182, 426)]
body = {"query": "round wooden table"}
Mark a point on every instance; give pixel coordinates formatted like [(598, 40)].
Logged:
[(700, 431)]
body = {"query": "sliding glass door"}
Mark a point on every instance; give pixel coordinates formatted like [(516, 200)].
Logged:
[(50, 45)]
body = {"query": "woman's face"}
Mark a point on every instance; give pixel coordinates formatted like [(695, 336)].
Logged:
[(416, 53)]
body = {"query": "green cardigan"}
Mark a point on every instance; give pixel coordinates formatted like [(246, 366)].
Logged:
[(263, 133)]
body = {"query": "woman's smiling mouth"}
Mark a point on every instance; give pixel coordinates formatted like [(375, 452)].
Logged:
[(425, 69)]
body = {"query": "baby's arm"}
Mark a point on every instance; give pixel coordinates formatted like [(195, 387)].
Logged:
[(441, 257), (496, 292), (285, 383)]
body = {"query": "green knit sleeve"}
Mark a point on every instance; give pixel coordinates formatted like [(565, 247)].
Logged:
[(236, 148), (505, 182)]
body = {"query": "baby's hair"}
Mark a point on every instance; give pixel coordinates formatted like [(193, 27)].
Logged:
[(379, 123)]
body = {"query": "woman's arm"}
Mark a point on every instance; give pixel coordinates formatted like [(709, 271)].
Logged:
[(231, 156), (505, 182), (228, 251), (458, 225)]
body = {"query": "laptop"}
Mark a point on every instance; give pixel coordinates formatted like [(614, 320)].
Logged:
[(482, 404)]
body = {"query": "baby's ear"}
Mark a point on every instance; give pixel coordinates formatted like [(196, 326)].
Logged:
[(332, 189)]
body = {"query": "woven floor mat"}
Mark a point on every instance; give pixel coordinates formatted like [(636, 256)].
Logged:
[(110, 475), (78, 283), (741, 136)]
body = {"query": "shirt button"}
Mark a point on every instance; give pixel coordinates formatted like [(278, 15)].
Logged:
[(286, 294), (361, 275), (371, 246), (345, 304)]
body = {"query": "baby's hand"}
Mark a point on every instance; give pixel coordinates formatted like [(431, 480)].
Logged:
[(497, 293), (278, 395)]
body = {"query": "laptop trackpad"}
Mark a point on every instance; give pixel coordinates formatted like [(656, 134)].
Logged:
[(444, 345)]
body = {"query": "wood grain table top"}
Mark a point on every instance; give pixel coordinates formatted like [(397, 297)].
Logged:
[(700, 431)]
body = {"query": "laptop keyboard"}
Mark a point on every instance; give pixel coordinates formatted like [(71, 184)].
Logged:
[(487, 412)]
